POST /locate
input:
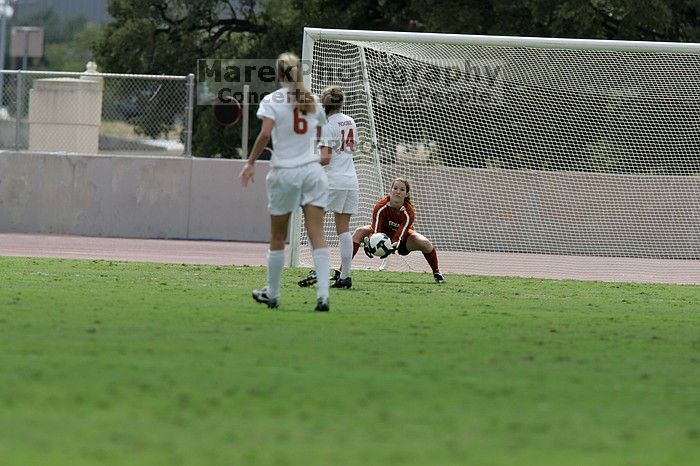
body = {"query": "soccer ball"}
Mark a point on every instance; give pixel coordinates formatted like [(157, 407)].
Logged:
[(380, 245)]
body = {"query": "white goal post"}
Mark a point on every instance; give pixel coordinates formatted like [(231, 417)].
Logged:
[(521, 145)]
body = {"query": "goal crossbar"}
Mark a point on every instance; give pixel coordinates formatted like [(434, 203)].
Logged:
[(502, 41)]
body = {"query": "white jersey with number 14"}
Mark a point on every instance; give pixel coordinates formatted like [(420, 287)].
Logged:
[(340, 134)]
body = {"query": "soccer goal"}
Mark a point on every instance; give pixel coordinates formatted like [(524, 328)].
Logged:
[(517, 145)]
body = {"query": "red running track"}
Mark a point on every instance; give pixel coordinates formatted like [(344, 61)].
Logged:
[(611, 269)]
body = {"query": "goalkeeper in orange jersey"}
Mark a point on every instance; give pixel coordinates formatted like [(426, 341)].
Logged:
[(393, 215)]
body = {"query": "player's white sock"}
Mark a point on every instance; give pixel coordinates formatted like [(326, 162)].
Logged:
[(322, 264), (275, 264), (345, 243)]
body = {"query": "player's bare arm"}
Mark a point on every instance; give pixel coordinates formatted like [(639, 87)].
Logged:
[(248, 172)]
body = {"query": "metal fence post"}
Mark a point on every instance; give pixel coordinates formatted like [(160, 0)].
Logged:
[(20, 107), (244, 130), (190, 115)]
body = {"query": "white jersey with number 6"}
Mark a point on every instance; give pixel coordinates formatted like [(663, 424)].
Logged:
[(294, 133), (340, 134)]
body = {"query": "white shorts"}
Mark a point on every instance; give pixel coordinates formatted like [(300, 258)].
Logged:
[(289, 188), (343, 201)]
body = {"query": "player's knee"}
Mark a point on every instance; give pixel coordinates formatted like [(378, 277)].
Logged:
[(359, 234), (278, 236), (317, 239), (277, 243)]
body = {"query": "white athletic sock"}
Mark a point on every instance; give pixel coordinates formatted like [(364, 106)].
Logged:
[(322, 264), (275, 264), (345, 243)]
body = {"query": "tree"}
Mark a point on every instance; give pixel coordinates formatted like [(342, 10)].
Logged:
[(67, 43), (169, 36), (670, 20)]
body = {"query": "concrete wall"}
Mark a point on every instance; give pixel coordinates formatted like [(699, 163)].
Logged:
[(140, 197), (459, 209)]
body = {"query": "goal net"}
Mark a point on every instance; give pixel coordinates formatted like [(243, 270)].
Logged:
[(521, 145)]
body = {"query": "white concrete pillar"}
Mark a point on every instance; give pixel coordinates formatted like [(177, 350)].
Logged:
[(65, 115)]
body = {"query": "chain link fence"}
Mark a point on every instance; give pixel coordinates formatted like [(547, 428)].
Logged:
[(96, 113)]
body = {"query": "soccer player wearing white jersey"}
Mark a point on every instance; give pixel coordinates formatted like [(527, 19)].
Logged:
[(338, 140), (293, 118)]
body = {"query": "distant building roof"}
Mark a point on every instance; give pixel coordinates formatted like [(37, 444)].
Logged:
[(93, 10)]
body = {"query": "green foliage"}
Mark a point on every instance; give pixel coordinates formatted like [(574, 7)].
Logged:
[(71, 55), (671, 20), (68, 43), (169, 36), (212, 139), (152, 364), (55, 30)]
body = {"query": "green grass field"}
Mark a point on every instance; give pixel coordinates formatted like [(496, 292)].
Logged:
[(147, 364)]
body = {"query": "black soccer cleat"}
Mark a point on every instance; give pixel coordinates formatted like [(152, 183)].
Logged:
[(310, 280), (342, 283), (439, 279), (262, 297), (322, 305)]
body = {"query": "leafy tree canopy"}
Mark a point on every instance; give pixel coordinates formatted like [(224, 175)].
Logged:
[(169, 36), (68, 43)]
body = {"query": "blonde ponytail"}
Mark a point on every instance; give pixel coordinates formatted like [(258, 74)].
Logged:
[(289, 71)]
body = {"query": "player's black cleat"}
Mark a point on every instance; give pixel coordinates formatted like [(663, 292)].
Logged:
[(439, 279), (310, 280), (262, 297), (322, 305), (342, 283)]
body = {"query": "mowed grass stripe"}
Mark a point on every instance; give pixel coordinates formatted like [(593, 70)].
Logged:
[(149, 364)]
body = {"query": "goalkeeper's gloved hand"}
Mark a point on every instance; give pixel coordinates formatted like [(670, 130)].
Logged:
[(394, 247), (365, 244)]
